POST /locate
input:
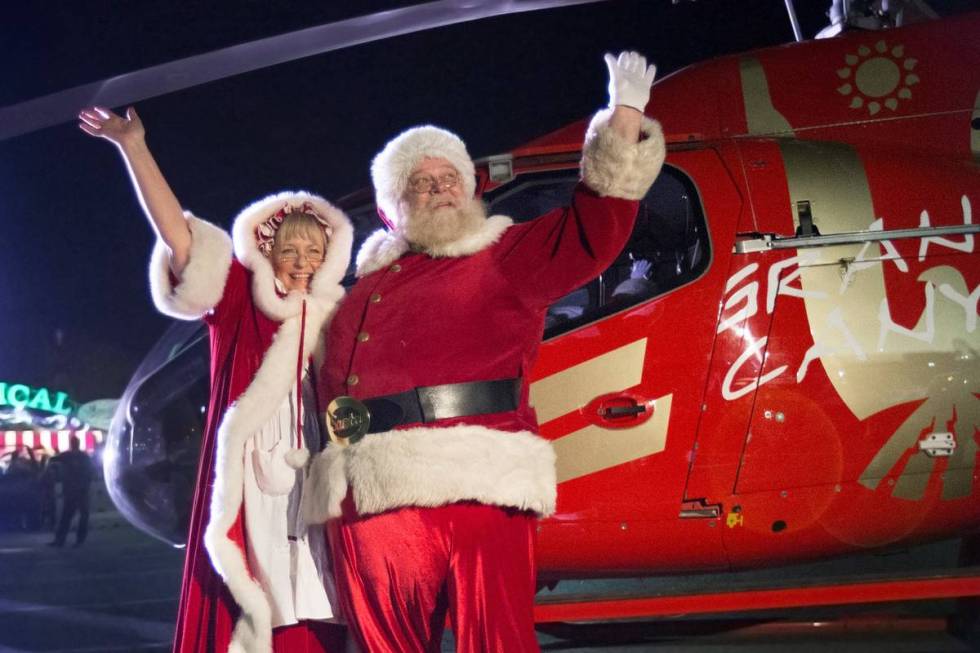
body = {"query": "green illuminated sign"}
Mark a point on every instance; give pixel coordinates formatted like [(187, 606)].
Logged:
[(22, 396)]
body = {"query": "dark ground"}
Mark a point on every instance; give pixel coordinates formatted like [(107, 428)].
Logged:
[(118, 592)]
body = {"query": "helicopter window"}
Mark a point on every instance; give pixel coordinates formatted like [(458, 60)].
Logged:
[(364, 218), (532, 197), (154, 442), (668, 247)]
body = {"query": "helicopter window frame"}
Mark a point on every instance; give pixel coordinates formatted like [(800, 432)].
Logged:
[(603, 297)]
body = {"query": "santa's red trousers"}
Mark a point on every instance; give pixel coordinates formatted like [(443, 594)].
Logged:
[(399, 572)]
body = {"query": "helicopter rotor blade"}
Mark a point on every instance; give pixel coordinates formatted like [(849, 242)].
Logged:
[(180, 74)]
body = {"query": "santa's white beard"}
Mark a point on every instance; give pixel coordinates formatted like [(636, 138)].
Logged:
[(425, 228)]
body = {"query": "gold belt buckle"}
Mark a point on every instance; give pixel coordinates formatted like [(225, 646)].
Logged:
[(347, 420)]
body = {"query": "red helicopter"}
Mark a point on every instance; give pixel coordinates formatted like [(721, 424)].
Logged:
[(781, 366), (795, 375)]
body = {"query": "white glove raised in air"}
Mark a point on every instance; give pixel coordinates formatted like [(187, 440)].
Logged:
[(629, 80)]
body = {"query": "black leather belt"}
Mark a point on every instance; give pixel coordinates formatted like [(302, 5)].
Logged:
[(437, 402), (420, 405)]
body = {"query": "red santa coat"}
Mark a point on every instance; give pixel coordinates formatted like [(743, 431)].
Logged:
[(471, 311), (255, 343)]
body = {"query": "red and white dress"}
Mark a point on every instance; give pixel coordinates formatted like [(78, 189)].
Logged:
[(239, 579)]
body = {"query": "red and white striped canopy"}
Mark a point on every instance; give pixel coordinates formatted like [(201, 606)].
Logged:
[(51, 440)]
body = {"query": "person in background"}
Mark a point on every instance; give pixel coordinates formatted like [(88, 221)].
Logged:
[(638, 283), (75, 473), (47, 483)]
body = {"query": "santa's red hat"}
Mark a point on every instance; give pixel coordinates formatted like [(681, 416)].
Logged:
[(394, 164)]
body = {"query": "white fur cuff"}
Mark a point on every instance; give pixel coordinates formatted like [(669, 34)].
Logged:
[(433, 467), (613, 167), (203, 280)]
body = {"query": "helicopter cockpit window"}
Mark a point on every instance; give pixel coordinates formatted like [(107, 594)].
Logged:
[(668, 248), (151, 455)]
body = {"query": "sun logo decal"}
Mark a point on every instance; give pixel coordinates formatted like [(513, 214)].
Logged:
[(878, 77)]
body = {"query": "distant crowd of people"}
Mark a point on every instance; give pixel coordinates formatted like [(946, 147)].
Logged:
[(28, 492)]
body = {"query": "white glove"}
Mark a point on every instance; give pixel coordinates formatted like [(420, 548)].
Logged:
[(640, 269), (629, 80)]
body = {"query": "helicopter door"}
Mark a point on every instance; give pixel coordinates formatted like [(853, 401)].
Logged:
[(622, 369), (869, 374)]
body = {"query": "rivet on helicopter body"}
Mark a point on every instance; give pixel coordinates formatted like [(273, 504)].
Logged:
[(837, 488), (767, 414), (623, 526), (780, 418), (783, 493)]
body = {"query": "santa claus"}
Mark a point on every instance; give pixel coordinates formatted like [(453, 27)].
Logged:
[(435, 497), (256, 577)]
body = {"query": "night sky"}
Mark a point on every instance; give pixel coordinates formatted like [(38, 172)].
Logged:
[(75, 312)]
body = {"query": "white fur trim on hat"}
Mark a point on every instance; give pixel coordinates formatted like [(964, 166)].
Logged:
[(614, 167), (202, 281), (393, 166), (432, 466), (325, 286)]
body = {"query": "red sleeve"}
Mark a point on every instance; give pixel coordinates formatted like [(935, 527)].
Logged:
[(561, 250), (233, 298)]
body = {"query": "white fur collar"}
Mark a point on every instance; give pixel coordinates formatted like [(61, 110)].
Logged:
[(324, 282), (385, 247)]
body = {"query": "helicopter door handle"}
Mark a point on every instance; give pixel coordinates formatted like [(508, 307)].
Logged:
[(618, 410), (623, 411)]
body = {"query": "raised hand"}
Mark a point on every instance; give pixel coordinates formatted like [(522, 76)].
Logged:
[(629, 80), (159, 202), (103, 123), (640, 269)]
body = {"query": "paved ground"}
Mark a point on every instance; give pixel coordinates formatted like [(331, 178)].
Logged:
[(118, 592)]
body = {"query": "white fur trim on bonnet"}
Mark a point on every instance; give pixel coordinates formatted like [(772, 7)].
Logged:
[(265, 232)]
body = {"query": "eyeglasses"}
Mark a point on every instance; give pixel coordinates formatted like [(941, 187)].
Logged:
[(289, 256), (426, 184)]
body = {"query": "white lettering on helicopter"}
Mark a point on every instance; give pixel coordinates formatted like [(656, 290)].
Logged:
[(965, 246), (755, 348), (779, 285), (812, 354), (836, 320), (927, 335), (861, 261), (746, 299), (747, 294)]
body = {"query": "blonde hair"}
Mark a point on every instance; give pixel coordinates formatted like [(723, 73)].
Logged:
[(302, 225)]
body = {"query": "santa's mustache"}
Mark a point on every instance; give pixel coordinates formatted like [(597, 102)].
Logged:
[(427, 226)]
